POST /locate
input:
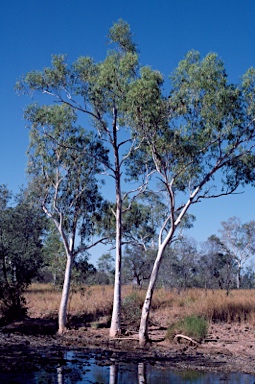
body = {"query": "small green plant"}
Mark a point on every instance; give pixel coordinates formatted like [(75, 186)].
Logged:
[(95, 325), (193, 326)]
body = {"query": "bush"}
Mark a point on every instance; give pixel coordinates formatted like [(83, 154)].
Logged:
[(12, 304), (193, 326)]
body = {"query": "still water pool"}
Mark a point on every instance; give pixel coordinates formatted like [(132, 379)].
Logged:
[(81, 369)]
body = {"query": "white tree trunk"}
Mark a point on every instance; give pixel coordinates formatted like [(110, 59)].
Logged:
[(143, 330), (116, 312), (238, 277), (62, 314)]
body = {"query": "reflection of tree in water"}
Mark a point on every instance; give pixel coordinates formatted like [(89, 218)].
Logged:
[(126, 372), (73, 375), (141, 374), (60, 375), (113, 379), (128, 375), (83, 370)]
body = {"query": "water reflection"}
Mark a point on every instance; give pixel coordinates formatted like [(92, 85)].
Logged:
[(60, 375), (113, 379), (141, 373), (91, 369), (146, 374)]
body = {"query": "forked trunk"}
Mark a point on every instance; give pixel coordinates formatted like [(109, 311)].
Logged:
[(62, 314)]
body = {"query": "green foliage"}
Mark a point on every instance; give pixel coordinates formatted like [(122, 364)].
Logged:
[(82, 270), (121, 35), (211, 114), (62, 167), (21, 231), (192, 326), (54, 258)]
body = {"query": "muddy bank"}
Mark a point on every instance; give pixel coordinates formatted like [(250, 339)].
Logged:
[(33, 344)]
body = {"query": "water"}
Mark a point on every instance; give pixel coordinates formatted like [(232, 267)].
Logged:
[(82, 369)]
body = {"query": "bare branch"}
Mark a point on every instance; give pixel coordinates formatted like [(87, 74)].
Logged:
[(87, 247)]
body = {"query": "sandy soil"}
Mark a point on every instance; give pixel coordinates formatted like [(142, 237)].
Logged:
[(33, 343)]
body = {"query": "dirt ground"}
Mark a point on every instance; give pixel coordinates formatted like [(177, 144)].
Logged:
[(34, 343)]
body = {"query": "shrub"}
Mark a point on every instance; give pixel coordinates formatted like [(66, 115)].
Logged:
[(12, 304), (193, 326)]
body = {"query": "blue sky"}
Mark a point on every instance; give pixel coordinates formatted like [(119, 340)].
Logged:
[(32, 30)]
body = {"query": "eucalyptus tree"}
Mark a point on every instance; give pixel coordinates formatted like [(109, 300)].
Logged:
[(62, 166), (206, 127), (101, 92), (240, 241)]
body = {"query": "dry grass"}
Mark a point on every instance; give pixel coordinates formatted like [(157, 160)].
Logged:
[(43, 301), (239, 306), (168, 306), (215, 306)]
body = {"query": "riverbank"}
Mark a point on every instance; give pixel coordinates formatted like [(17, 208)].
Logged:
[(33, 343)]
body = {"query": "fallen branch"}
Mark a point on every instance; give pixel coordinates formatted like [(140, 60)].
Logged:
[(179, 336)]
